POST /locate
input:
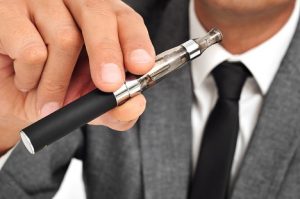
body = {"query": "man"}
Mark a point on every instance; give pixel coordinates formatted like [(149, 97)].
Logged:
[(155, 159)]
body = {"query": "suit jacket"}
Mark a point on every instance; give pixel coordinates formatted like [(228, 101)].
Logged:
[(153, 159)]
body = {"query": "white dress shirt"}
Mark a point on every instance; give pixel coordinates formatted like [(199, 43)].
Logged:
[(263, 61)]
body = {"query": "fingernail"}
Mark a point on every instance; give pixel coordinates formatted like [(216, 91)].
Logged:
[(140, 56), (110, 73), (49, 108)]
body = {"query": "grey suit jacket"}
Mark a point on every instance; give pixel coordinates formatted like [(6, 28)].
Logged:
[(153, 159)]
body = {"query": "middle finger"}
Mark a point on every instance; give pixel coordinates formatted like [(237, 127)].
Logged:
[(98, 23)]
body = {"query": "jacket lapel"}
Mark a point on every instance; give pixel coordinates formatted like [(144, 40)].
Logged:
[(165, 127), (277, 133)]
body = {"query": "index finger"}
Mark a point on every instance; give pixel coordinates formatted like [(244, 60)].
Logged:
[(139, 54)]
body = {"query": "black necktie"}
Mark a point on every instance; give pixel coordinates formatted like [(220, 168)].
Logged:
[(212, 174)]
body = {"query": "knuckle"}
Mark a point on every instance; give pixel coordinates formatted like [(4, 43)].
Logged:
[(68, 37), (29, 86), (55, 88), (25, 84), (34, 54), (92, 3), (100, 7), (105, 13), (139, 18), (28, 82), (130, 13)]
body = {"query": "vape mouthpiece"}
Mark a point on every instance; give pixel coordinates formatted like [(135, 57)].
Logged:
[(214, 36)]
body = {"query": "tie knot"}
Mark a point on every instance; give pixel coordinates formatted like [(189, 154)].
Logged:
[(230, 78)]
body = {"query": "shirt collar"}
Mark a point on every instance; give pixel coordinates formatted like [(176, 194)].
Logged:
[(263, 61)]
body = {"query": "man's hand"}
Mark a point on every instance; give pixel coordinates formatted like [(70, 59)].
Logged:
[(43, 64)]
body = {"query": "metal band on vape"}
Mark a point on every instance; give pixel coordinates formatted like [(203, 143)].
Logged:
[(128, 90), (133, 87), (192, 48)]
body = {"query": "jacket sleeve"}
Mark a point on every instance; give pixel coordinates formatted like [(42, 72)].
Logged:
[(38, 176)]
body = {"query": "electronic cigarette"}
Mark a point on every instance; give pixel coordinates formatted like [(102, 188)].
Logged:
[(83, 110)]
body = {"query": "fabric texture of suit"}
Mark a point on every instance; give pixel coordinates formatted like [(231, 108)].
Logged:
[(153, 159)]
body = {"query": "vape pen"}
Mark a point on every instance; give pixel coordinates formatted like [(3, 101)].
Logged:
[(92, 105)]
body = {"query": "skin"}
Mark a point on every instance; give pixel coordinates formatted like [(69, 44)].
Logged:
[(52, 52), (244, 24)]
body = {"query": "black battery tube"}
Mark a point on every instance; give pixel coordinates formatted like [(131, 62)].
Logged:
[(77, 113)]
